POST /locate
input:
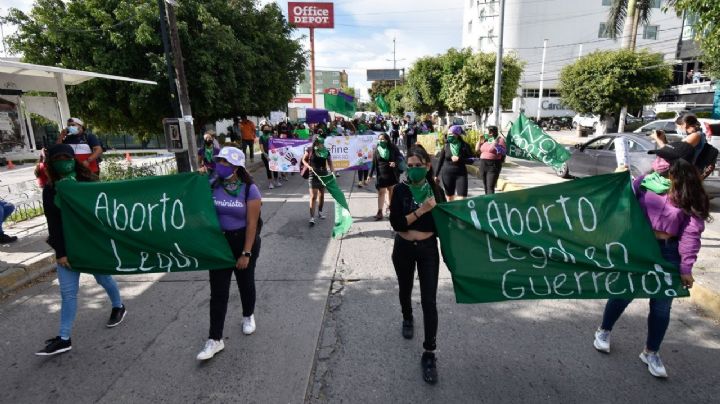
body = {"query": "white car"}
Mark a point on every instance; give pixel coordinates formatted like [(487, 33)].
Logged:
[(711, 128), (586, 120)]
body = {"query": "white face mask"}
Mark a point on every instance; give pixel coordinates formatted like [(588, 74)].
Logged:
[(681, 131)]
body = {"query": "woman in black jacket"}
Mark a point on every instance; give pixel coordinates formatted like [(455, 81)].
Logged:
[(416, 244), (62, 167), (386, 158), (453, 158)]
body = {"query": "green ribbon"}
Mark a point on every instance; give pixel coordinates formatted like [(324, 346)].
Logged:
[(208, 153), (656, 183), (232, 188)]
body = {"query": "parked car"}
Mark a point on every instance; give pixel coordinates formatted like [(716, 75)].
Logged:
[(597, 156), (710, 128), (586, 120)]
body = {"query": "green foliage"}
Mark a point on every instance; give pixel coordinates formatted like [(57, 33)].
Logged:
[(425, 85), (381, 87), (704, 114), (707, 13), (238, 58), (602, 82), (395, 99), (473, 86), (115, 168), (26, 212), (348, 91), (665, 115)]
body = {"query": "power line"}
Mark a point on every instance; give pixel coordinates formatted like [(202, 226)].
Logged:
[(596, 41)]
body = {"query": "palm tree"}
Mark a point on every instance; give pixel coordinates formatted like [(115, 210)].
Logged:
[(624, 18)]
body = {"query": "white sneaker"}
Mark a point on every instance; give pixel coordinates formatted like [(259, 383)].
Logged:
[(278, 184), (312, 221), (211, 348), (602, 340), (655, 365), (248, 324), (321, 216), (271, 186)]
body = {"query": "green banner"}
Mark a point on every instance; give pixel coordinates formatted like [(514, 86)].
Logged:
[(382, 104), (154, 224), (341, 104), (527, 140), (581, 239), (343, 218)]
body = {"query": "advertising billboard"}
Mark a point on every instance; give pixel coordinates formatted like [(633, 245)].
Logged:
[(311, 15), (383, 74)]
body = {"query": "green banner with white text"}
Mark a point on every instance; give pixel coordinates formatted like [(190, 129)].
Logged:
[(581, 239), (528, 141), (153, 224)]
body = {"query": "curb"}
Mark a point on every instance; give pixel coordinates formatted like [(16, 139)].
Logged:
[(17, 277)]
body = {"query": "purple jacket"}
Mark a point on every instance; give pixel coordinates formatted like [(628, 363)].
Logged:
[(666, 217)]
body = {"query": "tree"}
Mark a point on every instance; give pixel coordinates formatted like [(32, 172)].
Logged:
[(381, 87), (395, 99), (602, 82), (238, 58), (473, 87), (425, 81), (348, 90), (624, 18), (453, 61), (706, 14)]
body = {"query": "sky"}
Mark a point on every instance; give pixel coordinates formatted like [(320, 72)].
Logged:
[(363, 35)]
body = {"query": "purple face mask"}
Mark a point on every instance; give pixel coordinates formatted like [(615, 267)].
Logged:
[(660, 165), (224, 171)]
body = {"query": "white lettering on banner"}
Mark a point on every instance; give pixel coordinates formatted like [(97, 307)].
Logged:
[(120, 218), (167, 261)]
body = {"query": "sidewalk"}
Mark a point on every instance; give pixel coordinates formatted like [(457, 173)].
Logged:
[(27, 258)]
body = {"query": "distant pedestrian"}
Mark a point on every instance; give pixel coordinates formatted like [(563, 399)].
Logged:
[(237, 204), (248, 133), (410, 133), (207, 153), (6, 209), (690, 75), (697, 77), (88, 149), (416, 245), (492, 150), (235, 133), (41, 169), (676, 206), (265, 136), (318, 162), (451, 164), (385, 163), (62, 166)]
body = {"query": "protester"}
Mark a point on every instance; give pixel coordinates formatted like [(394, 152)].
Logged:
[(410, 133), (6, 209), (385, 163), (395, 131), (235, 133), (676, 205), (272, 176), (62, 166), (237, 203), (41, 169), (453, 157), (207, 153), (416, 244), (492, 150), (247, 131), (317, 160), (87, 147)]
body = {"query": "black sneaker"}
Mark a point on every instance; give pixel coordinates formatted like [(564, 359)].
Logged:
[(428, 362), (407, 329), (4, 238), (55, 346), (116, 316)]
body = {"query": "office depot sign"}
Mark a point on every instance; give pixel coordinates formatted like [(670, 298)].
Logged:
[(311, 15)]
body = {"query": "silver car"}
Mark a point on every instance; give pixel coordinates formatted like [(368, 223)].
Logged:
[(597, 156)]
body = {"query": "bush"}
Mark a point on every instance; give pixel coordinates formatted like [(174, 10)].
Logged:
[(115, 168), (665, 115), (704, 114)]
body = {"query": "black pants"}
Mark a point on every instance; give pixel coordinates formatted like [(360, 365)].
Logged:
[(363, 175), (490, 174), (270, 174), (455, 181), (248, 147), (220, 280), (406, 254), (410, 140)]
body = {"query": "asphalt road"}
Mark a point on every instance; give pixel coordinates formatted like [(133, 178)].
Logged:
[(328, 330)]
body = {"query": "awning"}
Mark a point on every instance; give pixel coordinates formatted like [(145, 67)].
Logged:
[(71, 77)]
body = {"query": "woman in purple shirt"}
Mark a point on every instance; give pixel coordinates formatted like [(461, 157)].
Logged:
[(237, 202), (676, 205)]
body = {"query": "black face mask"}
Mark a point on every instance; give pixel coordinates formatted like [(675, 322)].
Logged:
[(208, 143)]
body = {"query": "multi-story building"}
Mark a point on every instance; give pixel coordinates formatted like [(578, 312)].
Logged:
[(572, 28), (324, 79)]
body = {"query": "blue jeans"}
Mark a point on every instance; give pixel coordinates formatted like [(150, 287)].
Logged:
[(69, 285), (659, 316), (6, 209)]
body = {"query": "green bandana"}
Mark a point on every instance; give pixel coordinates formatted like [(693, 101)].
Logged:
[(420, 192), (208, 153), (321, 152), (383, 151), (264, 137), (656, 183), (232, 188), (454, 145)]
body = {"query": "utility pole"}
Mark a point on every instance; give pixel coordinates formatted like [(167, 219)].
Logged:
[(580, 52), (182, 90), (542, 80), (395, 60), (498, 66), (312, 65)]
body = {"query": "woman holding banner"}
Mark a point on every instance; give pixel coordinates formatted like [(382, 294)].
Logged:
[(492, 150), (676, 205), (237, 203), (62, 167), (453, 158), (317, 161), (416, 244), (386, 159)]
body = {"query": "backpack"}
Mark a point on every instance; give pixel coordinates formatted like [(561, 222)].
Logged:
[(706, 160)]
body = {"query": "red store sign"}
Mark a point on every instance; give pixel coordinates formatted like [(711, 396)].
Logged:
[(311, 15)]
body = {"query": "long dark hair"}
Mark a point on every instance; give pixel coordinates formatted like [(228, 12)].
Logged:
[(689, 120), (419, 151), (686, 190), (82, 173)]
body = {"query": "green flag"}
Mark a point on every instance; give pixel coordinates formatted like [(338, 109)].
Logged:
[(343, 219), (382, 104), (342, 104), (153, 224), (527, 140), (582, 239)]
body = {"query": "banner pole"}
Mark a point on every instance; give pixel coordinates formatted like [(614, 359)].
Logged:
[(312, 65)]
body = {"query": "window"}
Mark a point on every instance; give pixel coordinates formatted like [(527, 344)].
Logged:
[(531, 93), (607, 2), (598, 144), (655, 3), (336, 81), (469, 26), (650, 32), (603, 31), (551, 93)]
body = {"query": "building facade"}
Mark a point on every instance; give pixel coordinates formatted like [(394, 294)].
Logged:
[(572, 28), (324, 79)]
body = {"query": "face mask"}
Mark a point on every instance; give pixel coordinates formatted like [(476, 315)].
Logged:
[(208, 143), (267, 132), (681, 131), (453, 139), (64, 167), (224, 171), (73, 130), (416, 174), (660, 165), (382, 142)]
